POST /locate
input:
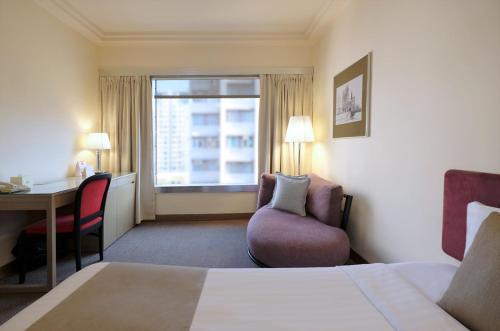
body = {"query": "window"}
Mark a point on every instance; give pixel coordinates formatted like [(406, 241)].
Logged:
[(205, 165), (205, 142), (205, 130), (240, 141), (240, 116), (239, 86), (239, 167), (205, 119)]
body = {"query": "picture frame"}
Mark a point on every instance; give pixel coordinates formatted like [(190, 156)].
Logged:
[(351, 100)]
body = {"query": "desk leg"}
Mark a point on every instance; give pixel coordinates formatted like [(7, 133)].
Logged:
[(51, 245)]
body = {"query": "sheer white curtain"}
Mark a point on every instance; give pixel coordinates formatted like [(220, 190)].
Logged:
[(126, 110), (282, 96)]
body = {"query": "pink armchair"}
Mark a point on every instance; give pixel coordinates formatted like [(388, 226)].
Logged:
[(280, 239)]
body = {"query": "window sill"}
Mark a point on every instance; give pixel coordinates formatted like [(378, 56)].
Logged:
[(207, 188)]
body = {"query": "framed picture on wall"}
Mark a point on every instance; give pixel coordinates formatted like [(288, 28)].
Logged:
[(351, 100)]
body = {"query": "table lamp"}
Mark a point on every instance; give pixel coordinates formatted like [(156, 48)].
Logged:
[(98, 141), (299, 131)]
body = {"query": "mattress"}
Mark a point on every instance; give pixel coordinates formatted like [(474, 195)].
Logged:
[(121, 296)]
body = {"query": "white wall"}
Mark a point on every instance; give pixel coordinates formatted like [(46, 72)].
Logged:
[(48, 98), (205, 203), (211, 57), (48, 92), (204, 58), (435, 106)]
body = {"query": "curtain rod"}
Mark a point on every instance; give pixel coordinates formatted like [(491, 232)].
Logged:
[(204, 72)]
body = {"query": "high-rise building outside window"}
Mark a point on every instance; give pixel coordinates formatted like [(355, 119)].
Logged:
[(205, 130)]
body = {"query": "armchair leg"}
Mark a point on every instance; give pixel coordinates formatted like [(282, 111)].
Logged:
[(255, 260), (101, 243), (22, 259), (78, 253), (22, 275)]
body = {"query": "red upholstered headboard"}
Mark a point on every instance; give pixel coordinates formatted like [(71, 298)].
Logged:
[(460, 188)]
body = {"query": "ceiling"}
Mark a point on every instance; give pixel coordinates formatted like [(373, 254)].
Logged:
[(142, 20)]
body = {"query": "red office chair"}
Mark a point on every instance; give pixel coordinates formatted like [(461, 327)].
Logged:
[(88, 218)]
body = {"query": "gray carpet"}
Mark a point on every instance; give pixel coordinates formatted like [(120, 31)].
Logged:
[(214, 244)]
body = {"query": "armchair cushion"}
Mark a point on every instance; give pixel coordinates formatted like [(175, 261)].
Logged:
[(281, 239)]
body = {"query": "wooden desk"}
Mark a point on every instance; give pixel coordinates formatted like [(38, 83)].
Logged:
[(45, 197)]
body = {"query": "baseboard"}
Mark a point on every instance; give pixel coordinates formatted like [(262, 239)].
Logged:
[(203, 217), (356, 258)]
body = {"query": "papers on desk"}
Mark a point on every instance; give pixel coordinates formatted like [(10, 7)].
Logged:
[(8, 188)]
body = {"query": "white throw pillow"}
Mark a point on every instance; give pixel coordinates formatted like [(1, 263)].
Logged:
[(476, 214), (290, 193)]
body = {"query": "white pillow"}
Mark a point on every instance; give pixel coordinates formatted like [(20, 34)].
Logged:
[(290, 193), (476, 214)]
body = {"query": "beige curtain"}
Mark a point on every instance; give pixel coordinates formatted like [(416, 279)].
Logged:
[(126, 112), (283, 96)]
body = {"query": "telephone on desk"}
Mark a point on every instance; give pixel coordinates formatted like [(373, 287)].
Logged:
[(7, 188)]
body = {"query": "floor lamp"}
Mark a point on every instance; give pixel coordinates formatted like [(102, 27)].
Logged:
[(299, 131)]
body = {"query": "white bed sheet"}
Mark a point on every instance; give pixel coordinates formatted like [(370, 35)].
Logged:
[(431, 278), (358, 297)]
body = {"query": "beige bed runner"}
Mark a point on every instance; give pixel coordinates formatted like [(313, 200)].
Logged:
[(130, 297)]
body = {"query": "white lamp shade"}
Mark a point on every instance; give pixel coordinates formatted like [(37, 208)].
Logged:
[(98, 141), (299, 130)]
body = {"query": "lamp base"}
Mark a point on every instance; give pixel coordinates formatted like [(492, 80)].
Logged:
[(98, 153)]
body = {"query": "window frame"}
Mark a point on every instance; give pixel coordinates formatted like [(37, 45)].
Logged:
[(202, 188)]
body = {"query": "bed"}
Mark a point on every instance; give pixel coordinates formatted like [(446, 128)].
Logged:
[(402, 296)]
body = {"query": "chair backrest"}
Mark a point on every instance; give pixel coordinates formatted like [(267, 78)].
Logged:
[(90, 200)]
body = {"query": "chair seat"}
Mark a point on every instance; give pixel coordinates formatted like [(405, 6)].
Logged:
[(64, 223), (281, 239)]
